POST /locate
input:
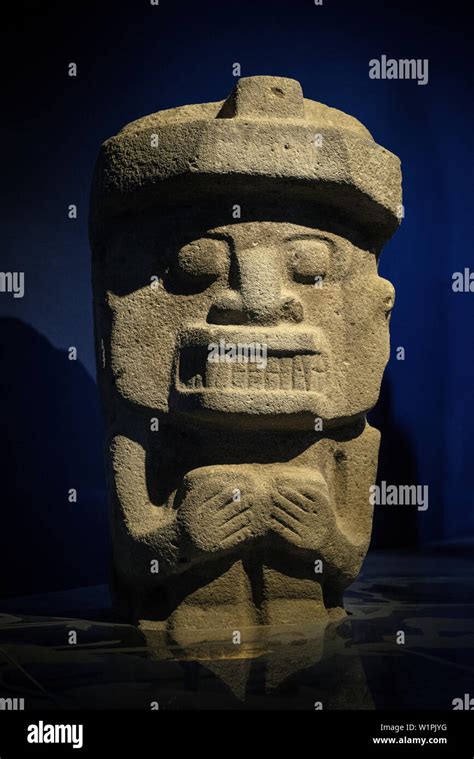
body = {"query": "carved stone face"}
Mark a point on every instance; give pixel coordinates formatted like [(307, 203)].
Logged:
[(311, 301), (241, 334)]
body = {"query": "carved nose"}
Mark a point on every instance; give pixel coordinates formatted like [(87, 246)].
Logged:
[(255, 295)]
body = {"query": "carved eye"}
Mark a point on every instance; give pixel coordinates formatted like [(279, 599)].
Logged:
[(204, 259), (309, 259)]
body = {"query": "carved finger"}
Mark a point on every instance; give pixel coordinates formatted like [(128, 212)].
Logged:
[(306, 499), (292, 505), (231, 512), (236, 532), (286, 520), (218, 501), (292, 510)]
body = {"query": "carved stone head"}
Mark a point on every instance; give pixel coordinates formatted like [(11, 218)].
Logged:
[(241, 333)]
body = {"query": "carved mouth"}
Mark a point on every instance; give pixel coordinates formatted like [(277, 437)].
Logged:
[(286, 376), (281, 370)]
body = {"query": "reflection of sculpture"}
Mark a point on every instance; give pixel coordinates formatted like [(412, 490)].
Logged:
[(299, 666), (240, 485)]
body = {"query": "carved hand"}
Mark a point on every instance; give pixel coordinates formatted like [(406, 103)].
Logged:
[(216, 509), (300, 510)]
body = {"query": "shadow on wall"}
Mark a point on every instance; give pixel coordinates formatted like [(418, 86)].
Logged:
[(51, 442), (394, 526)]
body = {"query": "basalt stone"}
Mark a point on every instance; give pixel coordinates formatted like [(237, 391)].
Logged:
[(242, 331)]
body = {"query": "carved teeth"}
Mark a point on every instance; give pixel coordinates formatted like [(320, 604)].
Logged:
[(299, 378), (239, 375), (309, 365), (298, 373)]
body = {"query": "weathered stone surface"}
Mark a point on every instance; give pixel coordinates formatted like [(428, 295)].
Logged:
[(244, 229)]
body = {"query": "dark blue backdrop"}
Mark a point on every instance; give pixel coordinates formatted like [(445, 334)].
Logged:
[(134, 58)]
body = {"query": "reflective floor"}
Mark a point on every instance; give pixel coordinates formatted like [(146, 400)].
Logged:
[(359, 663)]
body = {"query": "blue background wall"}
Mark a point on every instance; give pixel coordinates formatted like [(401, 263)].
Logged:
[(133, 59)]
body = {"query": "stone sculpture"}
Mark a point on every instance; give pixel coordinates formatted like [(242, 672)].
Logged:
[(241, 336)]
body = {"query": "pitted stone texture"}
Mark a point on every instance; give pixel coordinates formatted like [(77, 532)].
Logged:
[(327, 339), (239, 488), (264, 129)]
